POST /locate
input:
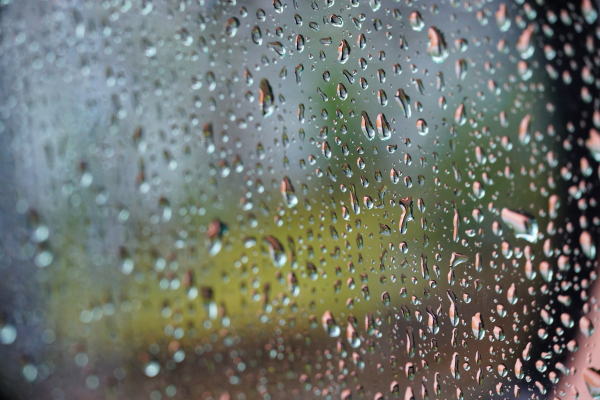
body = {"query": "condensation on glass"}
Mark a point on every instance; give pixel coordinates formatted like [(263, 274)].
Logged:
[(295, 199)]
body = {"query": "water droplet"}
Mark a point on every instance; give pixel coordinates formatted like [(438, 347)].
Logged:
[(152, 369), (343, 51), (453, 311), (329, 324), (383, 127), (502, 19), (589, 11), (546, 271), (524, 45), (523, 224), (511, 294), (287, 190), (276, 251), (591, 376), (477, 326), (454, 366), (416, 21), (265, 99), (437, 49), (278, 48), (256, 35), (367, 126), (586, 327), (231, 27), (336, 21), (422, 127), (525, 130), (403, 101), (587, 245), (8, 334)]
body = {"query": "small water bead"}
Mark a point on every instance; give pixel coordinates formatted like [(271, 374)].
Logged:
[(422, 127)]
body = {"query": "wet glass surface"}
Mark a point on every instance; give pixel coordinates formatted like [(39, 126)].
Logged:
[(299, 199)]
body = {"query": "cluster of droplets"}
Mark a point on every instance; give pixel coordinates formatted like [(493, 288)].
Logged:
[(238, 205)]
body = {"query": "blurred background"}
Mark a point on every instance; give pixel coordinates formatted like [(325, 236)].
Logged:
[(298, 199)]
